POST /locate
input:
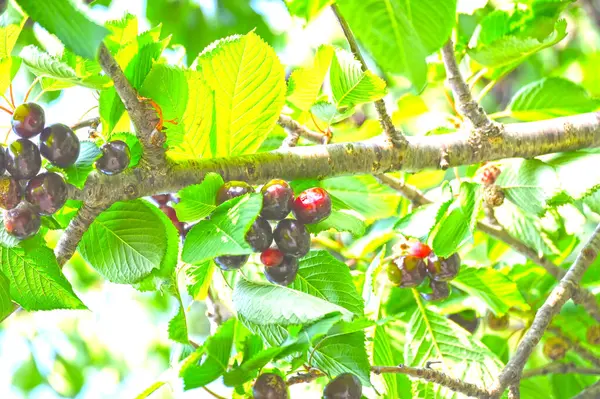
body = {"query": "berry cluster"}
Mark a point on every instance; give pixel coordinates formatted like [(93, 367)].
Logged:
[(417, 262), (292, 239), (26, 194), (272, 386)]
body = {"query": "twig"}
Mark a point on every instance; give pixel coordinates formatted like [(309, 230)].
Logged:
[(415, 196), (301, 378), (213, 394), (593, 10), (74, 232), (296, 130), (436, 377), (514, 392), (394, 135), (558, 297), (591, 392), (560, 368), (216, 312), (91, 122), (465, 104), (575, 346)]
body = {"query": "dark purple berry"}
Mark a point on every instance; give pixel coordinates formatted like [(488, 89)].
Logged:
[(272, 257), (439, 290), (260, 235), (231, 262), (270, 386), (442, 269), (278, 198), (292, 238), (284, 273), (22, 221), (344, 386), (28, 120), (406, 271), (2, 161), (59, 145), (233, 189), (312, 205), (47, 191), (498, 323), (162, 199), (115, 158), (23, 159), (172, 215), (10, 192)]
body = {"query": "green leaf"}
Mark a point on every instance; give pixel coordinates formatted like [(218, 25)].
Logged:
[(305, 84), (306, 9), (452, 231), (550, 98), (27, 376), (11, 25), (513, 49), (216, 351), (199, 278), (329, 113), (125, 242), (77, 173), (344, 354), (383, 354), (6, 305), (58, 74), (224, 233), (267, 304), (340, 221), (178, 330), (495, 289), (249, 92), (36, 282), (351, 86), (198, 201), (419, 223), (568, 167), (68, 22), (529, 184), (9, 67), (432, 336), (122, 31)]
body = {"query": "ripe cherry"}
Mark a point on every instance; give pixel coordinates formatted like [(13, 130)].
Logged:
[(312, 205), (278, 198), (115, 157), (498, 323), (344, 386), (406, 271), (439, 290), (23, 159), (10, 192), (231, 262), (22, 221), (270, 386), (28, 120), (272, 257), (443, 269), (292, 238), (284, 273), (260, 235), (48, 192), (162, 199), (555, 348), (172, 215), (59, 145), (593, 335), (418, 249), (2, 161), (233, 189)]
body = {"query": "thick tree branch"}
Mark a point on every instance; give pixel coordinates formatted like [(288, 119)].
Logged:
[(395, 136), (466, 105), (142, 114), (558, 297), (514, 392), (74, 232), (435, 376), (560, 368), (591, 392)]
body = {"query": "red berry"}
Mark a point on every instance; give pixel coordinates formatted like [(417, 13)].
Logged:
[(419, 250), (271, 257), (278, 198), (312, 205)]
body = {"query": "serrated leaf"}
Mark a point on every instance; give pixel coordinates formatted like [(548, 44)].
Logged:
[(306, 9), (344, 354), (178, 331), (11, 24), (224, 233), (329, 113), (550, 98), (350, 85), (469, 198), (125, 242), (452, 231), (77, 173), (267, 304), (199, 200), (249, 92), (122, 31), (216, 351), (513, 49), (529, 184), (495, 289), (420, 222), (305, 84), (432, 336), (199, 278), (9, 67), (6, 305), (383, 354), (400, 34), (36, 282), (342, 220), (568, 167), (67, 21)]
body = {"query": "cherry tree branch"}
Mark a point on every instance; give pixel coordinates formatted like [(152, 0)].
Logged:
[(591, 392), (560, 368), (558, 297), (395, 136), (296, 129), (91, 122)]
